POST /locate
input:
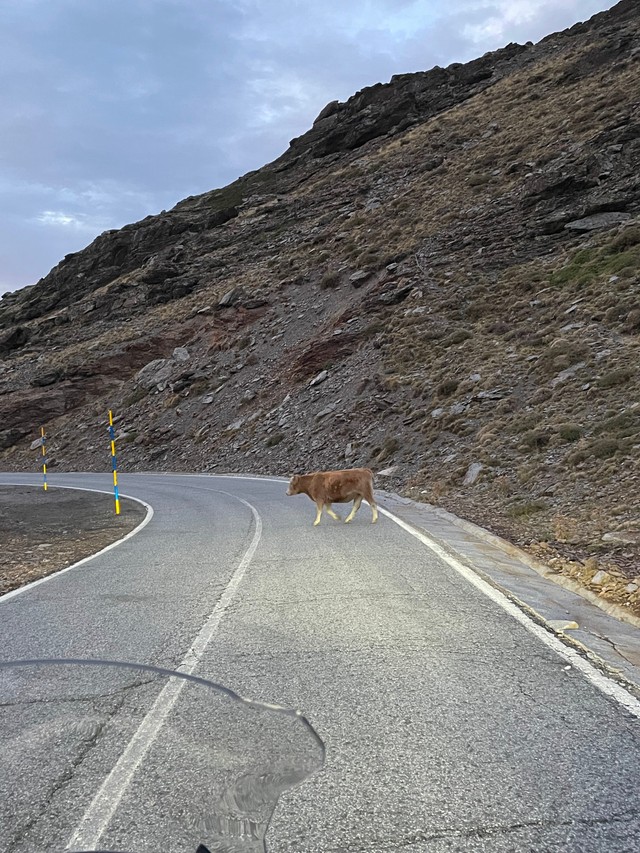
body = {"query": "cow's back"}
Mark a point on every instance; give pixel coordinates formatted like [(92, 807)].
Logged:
[(340, 486)]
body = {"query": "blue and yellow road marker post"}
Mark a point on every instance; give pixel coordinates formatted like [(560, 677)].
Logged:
[(43, 438), (114, 465)]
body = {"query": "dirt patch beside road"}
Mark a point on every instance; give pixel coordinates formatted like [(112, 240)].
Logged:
[(43, 532)]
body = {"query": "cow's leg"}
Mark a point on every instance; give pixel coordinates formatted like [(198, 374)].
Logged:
[(319, 505), (372, 503), (356, 507), (330, 512)]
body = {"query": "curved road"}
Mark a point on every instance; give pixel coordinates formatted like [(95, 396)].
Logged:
[(449, 724)]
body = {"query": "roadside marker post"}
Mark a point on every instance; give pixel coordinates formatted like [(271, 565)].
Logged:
[(114, 466), (44, 458)]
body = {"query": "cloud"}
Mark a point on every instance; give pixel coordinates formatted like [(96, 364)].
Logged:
[(496, 22), (111, 111), (57, 217)]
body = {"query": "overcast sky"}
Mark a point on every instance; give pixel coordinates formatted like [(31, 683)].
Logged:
[(114, 109)]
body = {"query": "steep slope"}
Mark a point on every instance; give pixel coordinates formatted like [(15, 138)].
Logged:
[(440, 280)]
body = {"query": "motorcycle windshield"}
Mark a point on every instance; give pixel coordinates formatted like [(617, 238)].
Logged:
[(105, 756)]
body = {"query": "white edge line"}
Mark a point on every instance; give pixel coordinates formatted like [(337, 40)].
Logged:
[(143, 523), (105, 802), (610, 688), (606, 685), (210, 475)]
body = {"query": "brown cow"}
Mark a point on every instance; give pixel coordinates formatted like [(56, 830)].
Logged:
[(327, 487)]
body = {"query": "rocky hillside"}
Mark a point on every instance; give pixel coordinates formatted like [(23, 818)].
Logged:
[(439, 280)]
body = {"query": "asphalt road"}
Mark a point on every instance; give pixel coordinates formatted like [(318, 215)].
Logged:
[(448, 725)]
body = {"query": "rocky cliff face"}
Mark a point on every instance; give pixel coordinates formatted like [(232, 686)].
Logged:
[(439, 280)]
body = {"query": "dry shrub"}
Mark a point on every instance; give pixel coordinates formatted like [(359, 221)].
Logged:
[(433, 332), (615, 377), (478, 179), (447, 387), (526, 473), (523, 509), (627, 238), (565, 529), (488, 431), (577, 457), (570, 432), (631, 322), (503, 486), (534, 439), (560, 355), (542, 395), (330, 280), (600, 448), (439, 489), (456, 337), (389, 446), (523, 423), (604, 448), (623, 425)]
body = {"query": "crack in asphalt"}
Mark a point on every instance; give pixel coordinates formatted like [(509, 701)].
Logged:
[(485, 832), (65, 777), (613, 646), (67, 774), (70, 700)]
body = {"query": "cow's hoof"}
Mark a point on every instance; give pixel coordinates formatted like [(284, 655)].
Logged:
[(348, 520), (316, 523)]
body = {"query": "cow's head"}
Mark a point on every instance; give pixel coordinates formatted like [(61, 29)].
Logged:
[(294, 485)]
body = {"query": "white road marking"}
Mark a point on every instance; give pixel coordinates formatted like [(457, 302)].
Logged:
[(106, 801), (607, 686), (115, 544), (265, 479), (610, 688)]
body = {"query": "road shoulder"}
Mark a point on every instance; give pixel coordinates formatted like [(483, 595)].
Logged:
[(45, 532), (602, 631)]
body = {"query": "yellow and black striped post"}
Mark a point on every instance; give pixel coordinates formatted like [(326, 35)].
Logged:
[(114, 466), (44, 458)]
